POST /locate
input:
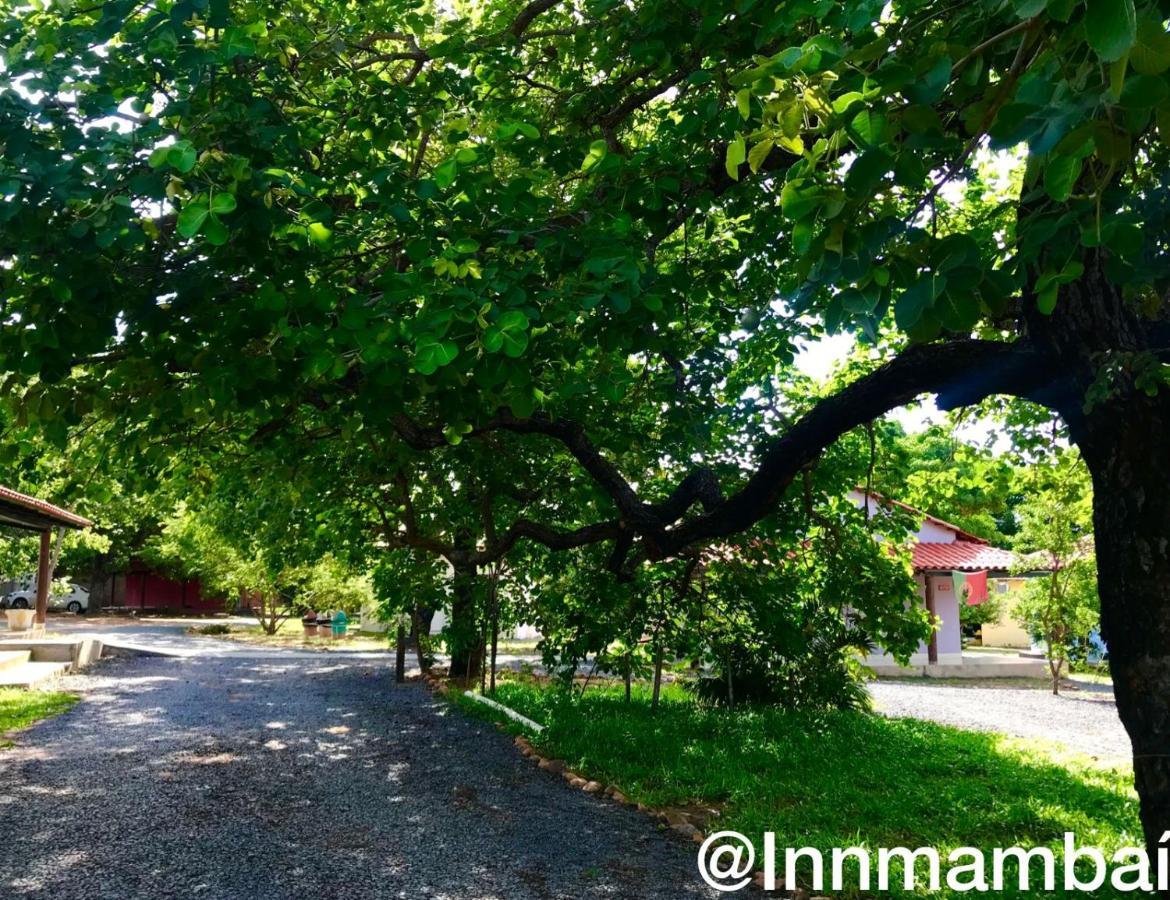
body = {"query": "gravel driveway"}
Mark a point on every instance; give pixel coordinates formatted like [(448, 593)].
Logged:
[(232, 778), (1084, 720)]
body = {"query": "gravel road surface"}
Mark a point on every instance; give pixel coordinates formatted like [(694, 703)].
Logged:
[(1084, 720), (251, 779)]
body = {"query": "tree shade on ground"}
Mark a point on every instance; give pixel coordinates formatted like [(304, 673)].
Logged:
[(596, 226)]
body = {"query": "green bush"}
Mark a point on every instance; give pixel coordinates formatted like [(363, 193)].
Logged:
[(214, 628), (821, 679), (972, 617)]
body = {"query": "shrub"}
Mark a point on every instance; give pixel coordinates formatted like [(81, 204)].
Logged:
[(822, 679), (214, 628)]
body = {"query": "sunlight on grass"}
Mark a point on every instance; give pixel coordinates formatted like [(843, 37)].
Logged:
[(291, 633), (20, 708), (838, 779)]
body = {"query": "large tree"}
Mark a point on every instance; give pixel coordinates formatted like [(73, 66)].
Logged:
[(562, 218)]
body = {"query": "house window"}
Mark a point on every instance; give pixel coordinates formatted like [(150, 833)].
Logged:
[(1001, 586)]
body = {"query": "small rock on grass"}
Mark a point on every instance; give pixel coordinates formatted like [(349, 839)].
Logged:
[(592, 787)]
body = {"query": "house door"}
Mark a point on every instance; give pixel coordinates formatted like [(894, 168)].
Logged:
[(932, 647)]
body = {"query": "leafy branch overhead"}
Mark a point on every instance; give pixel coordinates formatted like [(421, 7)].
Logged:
[(601, 229), (456, 216), (480, 277)]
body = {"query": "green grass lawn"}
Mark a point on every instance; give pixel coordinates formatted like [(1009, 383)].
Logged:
[(1092, 676), (291, 633), (836, 780), (517, 645), (20, 708)]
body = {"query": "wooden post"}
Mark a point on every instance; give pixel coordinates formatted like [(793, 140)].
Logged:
[(932, 646), (44, 577)]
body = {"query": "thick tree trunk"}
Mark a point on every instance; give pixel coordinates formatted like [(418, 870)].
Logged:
[(400, 655), (1127, 449), (421, 630), (1124, 437), (101, 584), (465, 646), (488, 638)]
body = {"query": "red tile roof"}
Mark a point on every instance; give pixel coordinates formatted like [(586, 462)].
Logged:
[(965, 556), (41, 508)]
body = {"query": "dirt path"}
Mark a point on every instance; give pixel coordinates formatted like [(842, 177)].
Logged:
[(1084, 719), (234, 778)]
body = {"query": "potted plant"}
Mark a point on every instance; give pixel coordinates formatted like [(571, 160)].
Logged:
[(20, 619)]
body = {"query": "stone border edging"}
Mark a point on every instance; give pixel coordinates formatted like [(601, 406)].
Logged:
[(682, 822), (678, 821)]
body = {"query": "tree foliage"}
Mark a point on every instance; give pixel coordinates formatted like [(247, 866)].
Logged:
[(441, 212), (588, 237), (1061, 607), (977, 489), (273, 577)]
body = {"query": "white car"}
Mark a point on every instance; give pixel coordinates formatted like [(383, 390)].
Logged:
[(75, 600)]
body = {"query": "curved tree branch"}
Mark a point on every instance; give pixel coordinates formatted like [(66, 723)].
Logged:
[(961, 372), (570, 434), (553, 538), (700, 485), (529, 14)]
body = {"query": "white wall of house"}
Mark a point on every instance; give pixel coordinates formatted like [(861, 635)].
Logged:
[(930, 533), (371, 621), (949, 637), (933, 533)]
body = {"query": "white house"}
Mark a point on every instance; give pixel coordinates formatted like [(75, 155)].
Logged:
[(940, 550)]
